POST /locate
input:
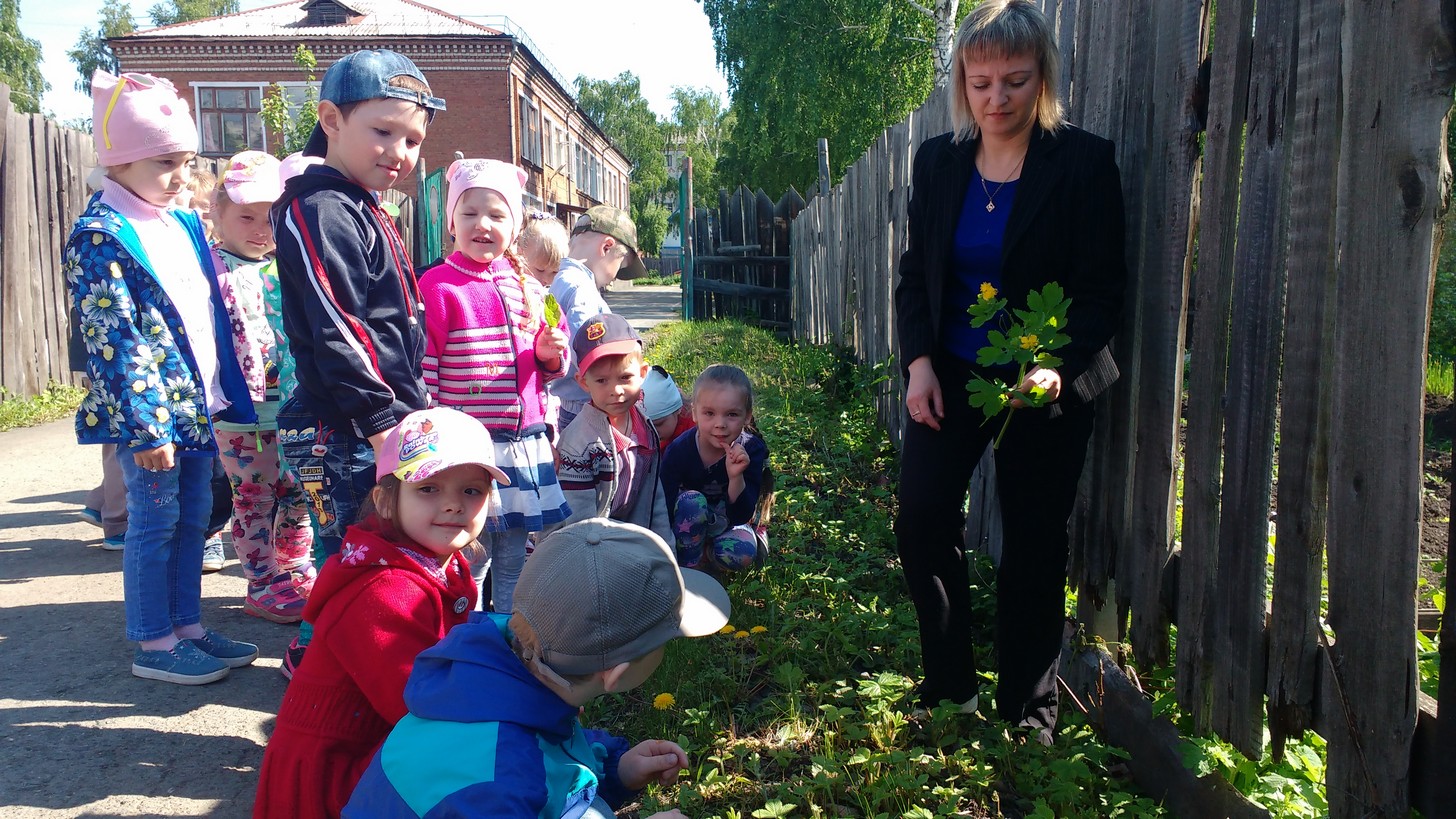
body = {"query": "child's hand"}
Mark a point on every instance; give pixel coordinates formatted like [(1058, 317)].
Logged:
[(654, 760), (550, 346), (158, 459), (735, 460)]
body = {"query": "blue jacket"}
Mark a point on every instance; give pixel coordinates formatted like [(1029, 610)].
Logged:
[(144, 380), (483, 737)]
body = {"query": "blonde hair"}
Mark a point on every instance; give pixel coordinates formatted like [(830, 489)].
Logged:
[(202, 184), (543, 233), (1003, 29)]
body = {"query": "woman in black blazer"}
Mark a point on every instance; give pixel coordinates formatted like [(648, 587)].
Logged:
[(1018, 198)]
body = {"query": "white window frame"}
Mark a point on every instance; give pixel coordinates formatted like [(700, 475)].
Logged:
[(197, 110)]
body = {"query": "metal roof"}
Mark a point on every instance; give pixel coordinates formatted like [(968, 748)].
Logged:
[(382, 18)]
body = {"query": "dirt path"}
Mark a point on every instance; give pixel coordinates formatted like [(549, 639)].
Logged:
[(80, 736)]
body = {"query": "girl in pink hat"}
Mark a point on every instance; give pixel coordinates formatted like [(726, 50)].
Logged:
[(270, 523), (161, 365), (489, 351)]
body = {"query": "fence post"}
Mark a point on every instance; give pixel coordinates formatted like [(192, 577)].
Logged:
[(823, 167), (685, 198)]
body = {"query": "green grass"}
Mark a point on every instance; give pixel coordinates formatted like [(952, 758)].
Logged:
[(1440, 377), (57, 402), (671, 280)]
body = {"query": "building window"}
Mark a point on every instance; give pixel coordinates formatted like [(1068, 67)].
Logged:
[(530, 131), (230, 120)]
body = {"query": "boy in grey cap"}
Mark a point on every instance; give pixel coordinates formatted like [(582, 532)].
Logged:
[(594, 607)]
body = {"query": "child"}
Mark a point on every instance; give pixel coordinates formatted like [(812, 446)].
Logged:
[(142, 276), (489, 353), (603, 248), (542, 244), (662, 403), (396, 588), (351, 306), (197, 194), (492, 726), (270, 530), (291, 166), (609, 453), (712, 475)]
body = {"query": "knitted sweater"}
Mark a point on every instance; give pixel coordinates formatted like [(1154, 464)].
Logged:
[(374, 609), (480, 343), (591, 472)]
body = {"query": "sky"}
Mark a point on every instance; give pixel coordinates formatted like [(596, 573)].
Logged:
[(664, 42)]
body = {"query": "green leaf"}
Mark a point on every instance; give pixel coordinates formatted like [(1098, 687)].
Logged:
[(773, 810), (990, 398), (553, 311)]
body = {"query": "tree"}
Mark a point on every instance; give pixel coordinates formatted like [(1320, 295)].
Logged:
[(20, 61), (291, 118), (944, 15), (799, 70), (184, 11), (699, 127), (619, 109), (92, 52)]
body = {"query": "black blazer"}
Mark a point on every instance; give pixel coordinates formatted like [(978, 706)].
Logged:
[(1066, 225)]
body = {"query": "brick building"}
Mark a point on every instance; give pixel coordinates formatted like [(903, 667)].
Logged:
[(504, 99)]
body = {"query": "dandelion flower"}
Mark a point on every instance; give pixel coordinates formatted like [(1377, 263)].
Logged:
[(988, 291), (727, 629), (1028, 341), (663, 701), (739, 635), (758, 630)]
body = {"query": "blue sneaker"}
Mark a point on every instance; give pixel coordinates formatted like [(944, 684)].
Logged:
[(232, 652), (213, 556), (184, 664), (91, 516)]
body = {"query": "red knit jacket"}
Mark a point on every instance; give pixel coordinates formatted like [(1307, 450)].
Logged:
[(374, 609)]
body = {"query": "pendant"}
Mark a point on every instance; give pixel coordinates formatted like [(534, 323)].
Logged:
[(990, 206)]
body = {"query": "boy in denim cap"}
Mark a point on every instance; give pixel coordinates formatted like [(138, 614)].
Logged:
[(492, 725), (351, 306)]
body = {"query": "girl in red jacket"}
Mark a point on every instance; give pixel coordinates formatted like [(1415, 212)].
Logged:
[(395, 588)]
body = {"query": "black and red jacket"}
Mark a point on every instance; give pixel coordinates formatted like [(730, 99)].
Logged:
[(351, 305)]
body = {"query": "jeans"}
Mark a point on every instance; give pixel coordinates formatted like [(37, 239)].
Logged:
[(507, 559), (161, 567), (1038, 467), (335, 469)]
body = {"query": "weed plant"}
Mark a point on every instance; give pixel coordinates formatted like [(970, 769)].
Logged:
[(57, 402), (802, 707)]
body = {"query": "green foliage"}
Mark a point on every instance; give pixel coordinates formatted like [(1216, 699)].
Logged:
[(799, 70), (700, 127), (1442, 342), (292, 123), (1027, 340), (91, 52), (183, 11), (20, 61), (619, 109), (57, 402)]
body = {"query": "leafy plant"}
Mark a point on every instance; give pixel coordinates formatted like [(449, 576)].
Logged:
[(1027, 340), (292, 123)]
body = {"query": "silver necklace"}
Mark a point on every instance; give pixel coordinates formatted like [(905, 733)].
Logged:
[(991, 197)]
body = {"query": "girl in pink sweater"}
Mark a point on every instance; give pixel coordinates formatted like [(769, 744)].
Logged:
[(489, 352)]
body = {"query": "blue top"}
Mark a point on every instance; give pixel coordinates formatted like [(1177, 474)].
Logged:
[(977, 258)]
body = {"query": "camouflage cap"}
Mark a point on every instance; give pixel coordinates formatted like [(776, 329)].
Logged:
[(614, 222)]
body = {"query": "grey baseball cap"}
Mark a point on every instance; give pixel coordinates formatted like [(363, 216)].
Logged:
[(616, 223), (600, 592), (366, 75)]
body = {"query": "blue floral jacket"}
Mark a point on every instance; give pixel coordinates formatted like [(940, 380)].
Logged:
[(144, 389)]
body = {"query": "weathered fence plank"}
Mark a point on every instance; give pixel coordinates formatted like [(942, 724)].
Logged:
[(1398, 58)]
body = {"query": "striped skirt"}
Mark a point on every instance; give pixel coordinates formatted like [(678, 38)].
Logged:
[(533, 501)]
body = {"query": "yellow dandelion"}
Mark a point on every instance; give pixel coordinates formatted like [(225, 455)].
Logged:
[(1028, 341), (758, 630), (739, 635), (988, 291), (727, 629), (663, 701)]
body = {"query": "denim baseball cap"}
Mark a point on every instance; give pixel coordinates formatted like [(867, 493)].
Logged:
[(365, 75)]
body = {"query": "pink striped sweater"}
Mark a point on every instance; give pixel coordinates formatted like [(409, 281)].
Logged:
[(480, 343)]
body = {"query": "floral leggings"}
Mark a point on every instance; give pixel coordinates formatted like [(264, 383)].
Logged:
[(703, 534), (271, 529)]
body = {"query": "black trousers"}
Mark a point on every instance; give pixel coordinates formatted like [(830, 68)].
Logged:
[(1038, 466)]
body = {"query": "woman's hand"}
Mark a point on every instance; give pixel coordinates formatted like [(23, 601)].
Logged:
[(550, 346), (654, 760), (1044, 377), (922, 394), (159, 459)]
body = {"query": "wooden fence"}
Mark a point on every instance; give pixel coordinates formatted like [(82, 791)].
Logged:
[(739, 258), (1302, 170)]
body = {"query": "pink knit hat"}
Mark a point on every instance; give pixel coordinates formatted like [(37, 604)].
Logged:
[(492, 174), (136, 116), (252, 177)]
